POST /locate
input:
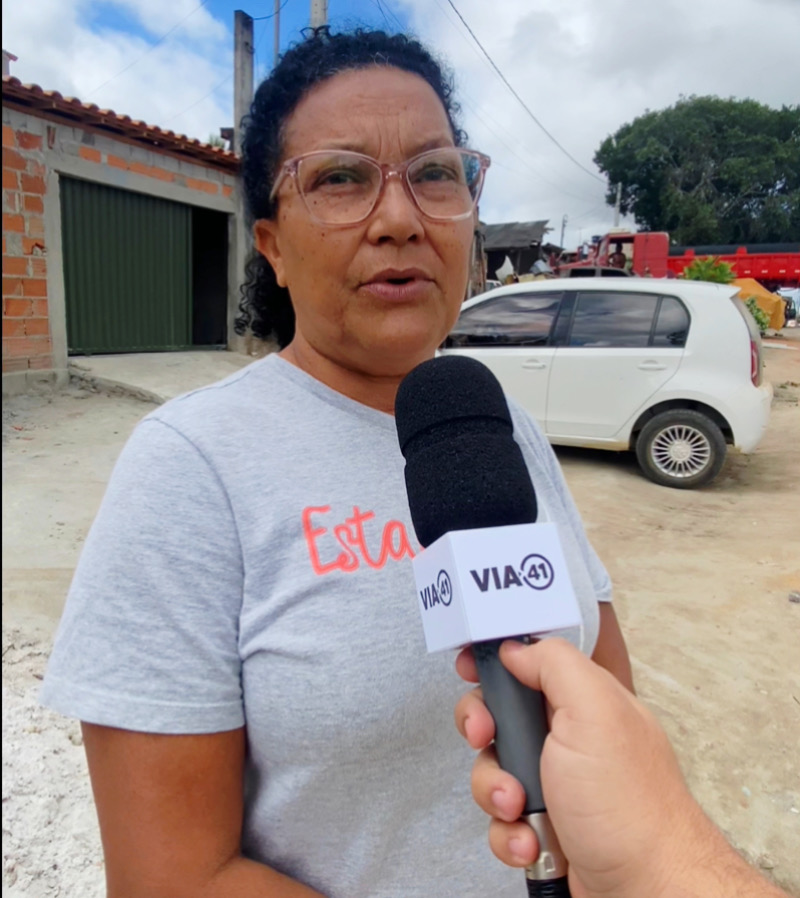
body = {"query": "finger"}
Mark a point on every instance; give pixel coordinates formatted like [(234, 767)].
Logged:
[(473, 719), (465, 666), (496, 792), (564, 674), (514, 843)]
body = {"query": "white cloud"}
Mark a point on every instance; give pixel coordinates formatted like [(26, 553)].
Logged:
[(59, 51), (584, 68), (158, 17)]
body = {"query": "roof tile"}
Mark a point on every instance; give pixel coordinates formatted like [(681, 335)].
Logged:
[(54, 104)]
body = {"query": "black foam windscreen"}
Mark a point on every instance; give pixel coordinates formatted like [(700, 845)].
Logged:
[(464, 469)]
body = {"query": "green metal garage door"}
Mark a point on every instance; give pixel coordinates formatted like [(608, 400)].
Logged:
[(127, 270)]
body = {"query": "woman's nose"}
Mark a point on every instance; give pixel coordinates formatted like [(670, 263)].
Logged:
[(395, 216)]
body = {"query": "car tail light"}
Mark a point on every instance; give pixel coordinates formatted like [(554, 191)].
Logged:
[(755, 363), (755, 339)]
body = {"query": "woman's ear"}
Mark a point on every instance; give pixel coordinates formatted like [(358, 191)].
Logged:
[(265, 239)]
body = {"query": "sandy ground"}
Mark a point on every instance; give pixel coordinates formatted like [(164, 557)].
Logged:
[(707, 589)]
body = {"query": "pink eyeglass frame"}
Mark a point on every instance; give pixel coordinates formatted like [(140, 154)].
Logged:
[(388, 170)]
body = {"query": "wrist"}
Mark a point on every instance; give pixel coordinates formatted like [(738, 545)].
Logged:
[(702, 864)]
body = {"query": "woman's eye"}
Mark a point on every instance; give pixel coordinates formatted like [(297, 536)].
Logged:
[(437, 173), (337, 177)]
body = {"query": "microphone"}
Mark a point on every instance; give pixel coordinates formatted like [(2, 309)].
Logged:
[(464, 471)]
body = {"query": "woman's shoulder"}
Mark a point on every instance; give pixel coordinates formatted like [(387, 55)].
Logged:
[(527, 429), (257, 393), (536, 448)]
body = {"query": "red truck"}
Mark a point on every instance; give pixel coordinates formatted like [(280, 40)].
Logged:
[(648, 253)]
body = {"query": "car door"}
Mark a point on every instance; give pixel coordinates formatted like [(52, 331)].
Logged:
[(511, 335), (619, 349)]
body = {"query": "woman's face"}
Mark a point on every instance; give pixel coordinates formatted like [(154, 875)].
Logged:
[(347, 311)]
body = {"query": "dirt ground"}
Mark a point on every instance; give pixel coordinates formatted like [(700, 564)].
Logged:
[(707, 587)]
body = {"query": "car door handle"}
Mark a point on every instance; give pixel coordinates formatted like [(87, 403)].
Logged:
[(533, 363), (652, 366)]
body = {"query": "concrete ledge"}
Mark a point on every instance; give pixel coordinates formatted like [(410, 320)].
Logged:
[(18, 382), (85, 378), (155, 376)]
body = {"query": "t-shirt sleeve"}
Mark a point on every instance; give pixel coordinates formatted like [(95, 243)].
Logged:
[(149, 636), (530, 434)]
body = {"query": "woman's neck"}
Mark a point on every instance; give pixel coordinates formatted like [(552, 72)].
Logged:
[(373, 390)]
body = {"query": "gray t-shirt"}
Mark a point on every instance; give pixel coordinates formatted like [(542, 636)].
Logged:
[(250, 565)]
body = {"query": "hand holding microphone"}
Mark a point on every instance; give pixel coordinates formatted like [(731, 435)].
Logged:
[(613, 788), (465, 472)]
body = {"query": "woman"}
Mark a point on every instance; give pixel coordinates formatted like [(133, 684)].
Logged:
[(240, 640)]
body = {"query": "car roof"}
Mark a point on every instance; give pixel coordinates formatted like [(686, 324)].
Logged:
[(668, 286)]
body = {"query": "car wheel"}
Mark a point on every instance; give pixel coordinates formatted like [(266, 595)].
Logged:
[(681, 448)]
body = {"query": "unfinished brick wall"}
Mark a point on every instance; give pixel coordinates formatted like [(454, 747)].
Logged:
[(35, 147), (27, 341)]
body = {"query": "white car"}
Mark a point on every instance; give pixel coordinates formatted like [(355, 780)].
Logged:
[(668, 368)]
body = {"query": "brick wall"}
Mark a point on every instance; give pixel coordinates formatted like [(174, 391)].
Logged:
[(34, 148), (27, 342)]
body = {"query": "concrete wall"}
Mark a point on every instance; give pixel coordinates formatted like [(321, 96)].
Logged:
[(36, 152)]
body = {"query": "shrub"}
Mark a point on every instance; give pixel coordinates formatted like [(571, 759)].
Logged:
[(709, 268), (761, 317)]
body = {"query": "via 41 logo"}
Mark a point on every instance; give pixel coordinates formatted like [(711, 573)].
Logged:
[(535, 572)]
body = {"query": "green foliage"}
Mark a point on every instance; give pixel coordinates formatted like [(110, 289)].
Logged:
[(761, 317), (214, 140), (709, 170), (709, 268)]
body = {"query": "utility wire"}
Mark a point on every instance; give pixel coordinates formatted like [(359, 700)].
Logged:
[(532, 172), (520, 100), (216, 87), (494, 132), (391, 13), (149, 49), (271, 15), (264, 31), (228, 76), (592, 211)]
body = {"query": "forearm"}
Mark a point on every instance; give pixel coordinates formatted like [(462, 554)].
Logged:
[(711, 868), (610, 650), (241, 876)]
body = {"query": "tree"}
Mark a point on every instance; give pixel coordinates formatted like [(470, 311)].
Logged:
[(709, 170)]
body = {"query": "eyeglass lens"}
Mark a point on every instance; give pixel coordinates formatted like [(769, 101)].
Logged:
[(342, 187)]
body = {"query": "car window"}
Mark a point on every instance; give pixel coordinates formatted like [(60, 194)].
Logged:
[(511, 320), (608, 318), (672, 324)]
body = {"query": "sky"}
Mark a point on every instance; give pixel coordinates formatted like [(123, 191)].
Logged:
[(582, 68)]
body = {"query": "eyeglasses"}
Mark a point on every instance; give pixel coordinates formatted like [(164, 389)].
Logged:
[(342, 187)]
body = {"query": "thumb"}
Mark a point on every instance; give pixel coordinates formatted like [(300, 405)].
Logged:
[(563, 673)]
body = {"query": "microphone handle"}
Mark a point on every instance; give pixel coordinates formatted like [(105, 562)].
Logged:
[(520, 720)]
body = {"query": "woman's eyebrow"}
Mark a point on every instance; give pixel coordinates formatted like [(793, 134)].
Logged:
[(347, 144)]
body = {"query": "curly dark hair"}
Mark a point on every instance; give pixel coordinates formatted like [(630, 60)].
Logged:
[(265, 308)]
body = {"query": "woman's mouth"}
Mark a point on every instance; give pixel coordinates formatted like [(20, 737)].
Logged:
[(399, 286)]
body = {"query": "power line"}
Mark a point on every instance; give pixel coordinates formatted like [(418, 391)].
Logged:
[(532, 171), (391, 13), (271, 15), (592, 211), (520, 100), (150, 48), (228, 77), (263, 33), (216, 87)]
